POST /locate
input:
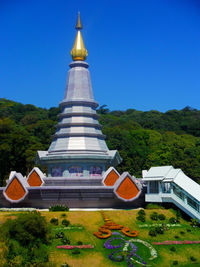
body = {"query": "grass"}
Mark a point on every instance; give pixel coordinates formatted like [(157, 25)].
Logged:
[(98, 257)]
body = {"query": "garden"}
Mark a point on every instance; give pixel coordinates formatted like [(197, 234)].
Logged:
[(151, 237)]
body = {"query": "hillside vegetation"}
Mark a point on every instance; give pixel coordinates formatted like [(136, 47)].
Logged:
[(31, 239), (143, 139)]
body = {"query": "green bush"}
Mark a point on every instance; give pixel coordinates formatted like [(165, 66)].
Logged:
[(173, 220), (182, 232), (152, 206), (60, 235), (59, 208), (79, 243), (141, 218), (194, 223), (152, 232), (65, 241), (159, 230), (154, 216), (65, 222), (65, 265), (141, 212), (161, 217), (175, 262), (54, 221), (178, 214), (173, 249), (193, 258), (63, 215), (26, 238)]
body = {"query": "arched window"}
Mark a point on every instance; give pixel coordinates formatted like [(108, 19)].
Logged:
[(95, 171), (56, 171), (76, 171)]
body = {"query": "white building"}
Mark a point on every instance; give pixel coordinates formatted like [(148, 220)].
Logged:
[(166, 184)]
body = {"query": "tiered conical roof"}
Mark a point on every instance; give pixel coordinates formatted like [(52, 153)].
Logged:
[(78, 128), (78, 136)]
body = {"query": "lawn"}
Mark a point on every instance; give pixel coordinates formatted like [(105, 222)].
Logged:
[(84, 223)]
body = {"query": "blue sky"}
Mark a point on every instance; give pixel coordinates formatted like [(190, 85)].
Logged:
[(143, 54)]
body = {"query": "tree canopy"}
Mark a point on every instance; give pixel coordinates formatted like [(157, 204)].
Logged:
[(143, 139)]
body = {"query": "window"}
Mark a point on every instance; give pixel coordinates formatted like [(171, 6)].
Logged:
[(56, 171), (95, 171), (153, 188), (177, 191), (76, 171), (192, 203)]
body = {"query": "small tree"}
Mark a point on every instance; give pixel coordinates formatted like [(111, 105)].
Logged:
[(26, 238)]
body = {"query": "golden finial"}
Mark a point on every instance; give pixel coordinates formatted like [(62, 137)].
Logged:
[(78, 24), (78, 51)]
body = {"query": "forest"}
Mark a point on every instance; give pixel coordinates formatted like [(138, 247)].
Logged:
[(143, 138)]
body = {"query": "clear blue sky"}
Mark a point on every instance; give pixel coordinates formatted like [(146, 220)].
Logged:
[(143, 54)]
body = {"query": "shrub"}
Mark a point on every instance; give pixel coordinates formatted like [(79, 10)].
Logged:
[(188, 230), (60, 235), (26, 229), (161, 217), (76, 251), (65, 222), (193, 258), (79, 243), (173, 249), (63, 215), (182, 232), (194, 222), (151, 206), (154, 216), (175, 262), (141, 218), (141, 212), (54, 221), (65, 265), (176, 236), (59, 208), (26, 238), (178, 214), (159, 230), (152, 232), (65, 241), (173, 220)]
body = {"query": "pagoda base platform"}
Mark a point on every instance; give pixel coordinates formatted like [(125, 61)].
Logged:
[(73, 197), (111, 190)]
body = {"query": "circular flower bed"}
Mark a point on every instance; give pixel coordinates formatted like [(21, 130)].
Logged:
[(108, 244), (117, 258)]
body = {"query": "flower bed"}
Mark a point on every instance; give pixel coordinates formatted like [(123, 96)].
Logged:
[(170, 242), (158, 224), (108, 244), (152, 250), (105, 230), (129, 249), (123, 247)]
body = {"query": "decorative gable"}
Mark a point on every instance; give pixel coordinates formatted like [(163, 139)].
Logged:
[(126, 188), (16, 191), (35, 177), (110, 177)]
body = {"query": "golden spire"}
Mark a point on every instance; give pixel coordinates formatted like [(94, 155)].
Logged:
[(78, 51)]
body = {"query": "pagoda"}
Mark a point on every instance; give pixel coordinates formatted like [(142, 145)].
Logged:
[(80, 167), (78, 148)]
